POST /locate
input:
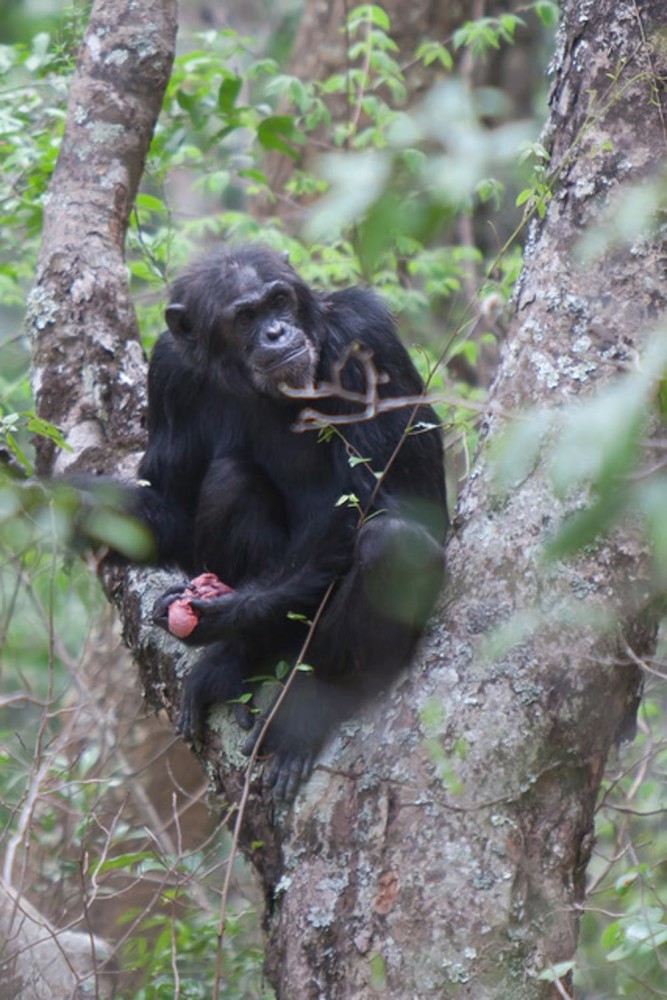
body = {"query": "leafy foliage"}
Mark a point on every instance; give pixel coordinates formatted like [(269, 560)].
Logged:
[(188, 945)]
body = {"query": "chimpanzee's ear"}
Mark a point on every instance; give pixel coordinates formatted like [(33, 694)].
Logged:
[(177, 319)]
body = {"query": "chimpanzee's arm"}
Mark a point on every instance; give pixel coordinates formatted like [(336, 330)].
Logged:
[(323, 553), (176, 457)]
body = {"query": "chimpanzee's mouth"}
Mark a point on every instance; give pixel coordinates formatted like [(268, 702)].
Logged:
[(286, 361)]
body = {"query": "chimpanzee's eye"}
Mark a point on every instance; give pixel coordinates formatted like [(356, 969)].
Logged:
[(245, 317)]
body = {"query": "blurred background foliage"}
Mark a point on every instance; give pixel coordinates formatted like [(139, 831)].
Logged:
[(416, 170)]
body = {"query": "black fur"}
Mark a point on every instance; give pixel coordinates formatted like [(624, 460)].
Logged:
[(236, 491)]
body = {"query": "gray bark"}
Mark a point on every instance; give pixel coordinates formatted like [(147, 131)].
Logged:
[(440, 848)]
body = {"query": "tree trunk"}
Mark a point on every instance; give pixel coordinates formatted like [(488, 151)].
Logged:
[(439, 850), (88, 366)]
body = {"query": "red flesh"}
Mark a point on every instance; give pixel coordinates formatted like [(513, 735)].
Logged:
[(182, 616)]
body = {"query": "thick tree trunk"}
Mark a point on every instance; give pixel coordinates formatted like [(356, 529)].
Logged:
[(440, 847), (88, 365)]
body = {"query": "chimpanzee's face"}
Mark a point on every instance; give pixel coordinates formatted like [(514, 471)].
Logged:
[(261, 327), (242, 321)]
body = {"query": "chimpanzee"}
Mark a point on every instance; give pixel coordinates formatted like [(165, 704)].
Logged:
[(233, 488)]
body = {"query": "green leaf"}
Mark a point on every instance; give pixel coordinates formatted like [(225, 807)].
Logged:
[(611, 935), (36, 425), (652, 501), (149, 202), (260, 679), (509, 23), (119, 532), (17, 451), (326, 434), (228, 92), (547, 12), (378, 972), (432, 717), (662, 397), (640, 933), (254, 175), (368, 13), (124, 861), (623, 884), (282, 670), (277, 132), (351, 499), (430, 52)]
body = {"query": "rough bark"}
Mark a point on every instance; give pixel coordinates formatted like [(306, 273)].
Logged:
[(88, 365), (440, 848)]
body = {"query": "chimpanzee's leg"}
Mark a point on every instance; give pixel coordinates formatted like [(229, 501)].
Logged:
[(366, 635), (381, 607), (217, 678)]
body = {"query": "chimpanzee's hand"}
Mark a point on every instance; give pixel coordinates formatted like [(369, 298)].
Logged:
[(193, 612), (160, 615), (215, 618)]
